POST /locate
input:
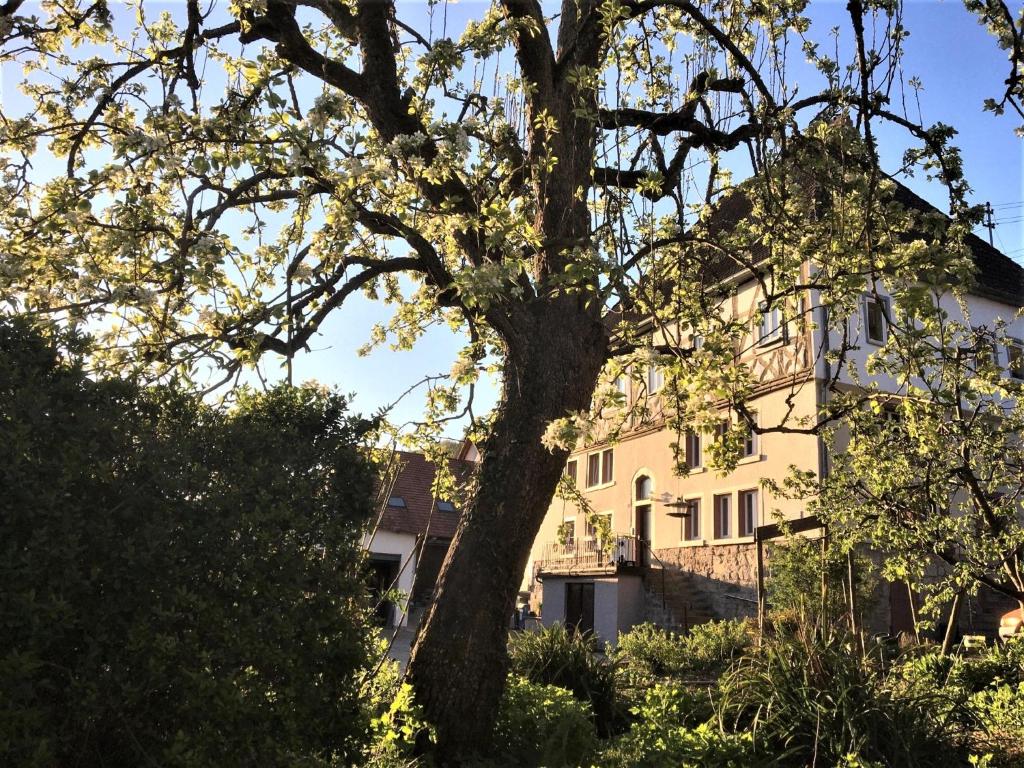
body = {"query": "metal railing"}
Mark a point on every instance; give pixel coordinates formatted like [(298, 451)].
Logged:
[(587, 555)]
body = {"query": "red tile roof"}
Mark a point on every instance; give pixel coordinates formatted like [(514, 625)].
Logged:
[(413, 485)]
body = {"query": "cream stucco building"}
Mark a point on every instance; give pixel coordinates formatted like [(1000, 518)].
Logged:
[(681, 570)]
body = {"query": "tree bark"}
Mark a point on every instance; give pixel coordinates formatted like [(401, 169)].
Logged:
[(459, 661)]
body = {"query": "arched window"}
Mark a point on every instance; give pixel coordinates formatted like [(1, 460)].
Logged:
[(644, 488)]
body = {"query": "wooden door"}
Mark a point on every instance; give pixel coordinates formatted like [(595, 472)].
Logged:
[(579, 606)]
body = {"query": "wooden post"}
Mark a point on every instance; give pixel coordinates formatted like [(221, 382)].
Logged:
[(913, 612), (954, 615), (854, 624), (760, 590)]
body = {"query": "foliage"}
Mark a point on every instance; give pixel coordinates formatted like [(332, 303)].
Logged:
[(795, 580), (399, 730), (650, 651), (223, 211), (181, 583), (814, 699), (543, 725), (667, 733), (558, 656), (712, 646), (707, 650)]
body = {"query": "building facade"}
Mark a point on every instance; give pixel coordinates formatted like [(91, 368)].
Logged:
[(682, 549)]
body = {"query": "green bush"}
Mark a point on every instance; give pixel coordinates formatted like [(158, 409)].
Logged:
[(711, 647), (650, 651), (1000, 710), (180, 583), (815, 699), (669, 731), (556, 656), (543, 725)]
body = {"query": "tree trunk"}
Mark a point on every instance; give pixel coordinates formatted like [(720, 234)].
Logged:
[(459, 661)]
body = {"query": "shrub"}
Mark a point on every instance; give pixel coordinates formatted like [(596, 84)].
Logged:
[(1001, 712), (814, 699), (712, 646), (543, 725), (180, 583), (650, 651), (557, 656), (669, 731)]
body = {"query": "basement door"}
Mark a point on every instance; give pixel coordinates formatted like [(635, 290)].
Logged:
[(579, 606)]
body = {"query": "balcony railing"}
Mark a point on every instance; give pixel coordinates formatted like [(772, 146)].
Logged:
[(577, 556)]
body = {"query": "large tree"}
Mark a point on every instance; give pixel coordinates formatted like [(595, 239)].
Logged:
[(218, 182)]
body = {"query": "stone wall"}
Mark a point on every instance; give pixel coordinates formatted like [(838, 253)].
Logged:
[(723, 576)]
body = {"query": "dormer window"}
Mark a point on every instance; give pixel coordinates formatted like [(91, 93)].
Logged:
[(397, 502)]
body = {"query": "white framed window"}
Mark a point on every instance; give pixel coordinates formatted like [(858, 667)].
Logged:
[(655, 379), (571, 470), (748, 512), (621, 384), (600, 468), (876, 309), (643, 488), (770, 327), (1015, 359), (694, 459), (691, 523), (723, 516), (570, 533)]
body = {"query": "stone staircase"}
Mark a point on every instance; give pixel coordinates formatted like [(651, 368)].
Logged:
[(674, 600)]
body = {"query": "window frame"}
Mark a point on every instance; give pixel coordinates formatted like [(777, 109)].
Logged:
[(692, 523), (769, 325), (747, 517), (589, 530), (750, 441), (693, 445), (605, 474), (882, 302), (722, 518), (401, 503), (655, 376), (452, 509), (574, 474), (1015, 346)]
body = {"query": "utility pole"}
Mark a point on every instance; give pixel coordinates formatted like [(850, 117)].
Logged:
[(988, 223)]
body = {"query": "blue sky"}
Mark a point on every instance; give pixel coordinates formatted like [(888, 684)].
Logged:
[(948, 50)]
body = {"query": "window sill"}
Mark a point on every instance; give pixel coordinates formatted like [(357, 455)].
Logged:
[(769, 344), (600, 486), (693, 543), (751, 459), (734, 540), (696, 471)]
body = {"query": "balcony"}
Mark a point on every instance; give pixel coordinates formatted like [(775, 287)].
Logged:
[(586, 558)]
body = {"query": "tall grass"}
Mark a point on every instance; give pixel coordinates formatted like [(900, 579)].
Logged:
[(818, 702)]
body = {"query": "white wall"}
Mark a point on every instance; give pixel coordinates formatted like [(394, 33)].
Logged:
[(618, 604), (403, 545)]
